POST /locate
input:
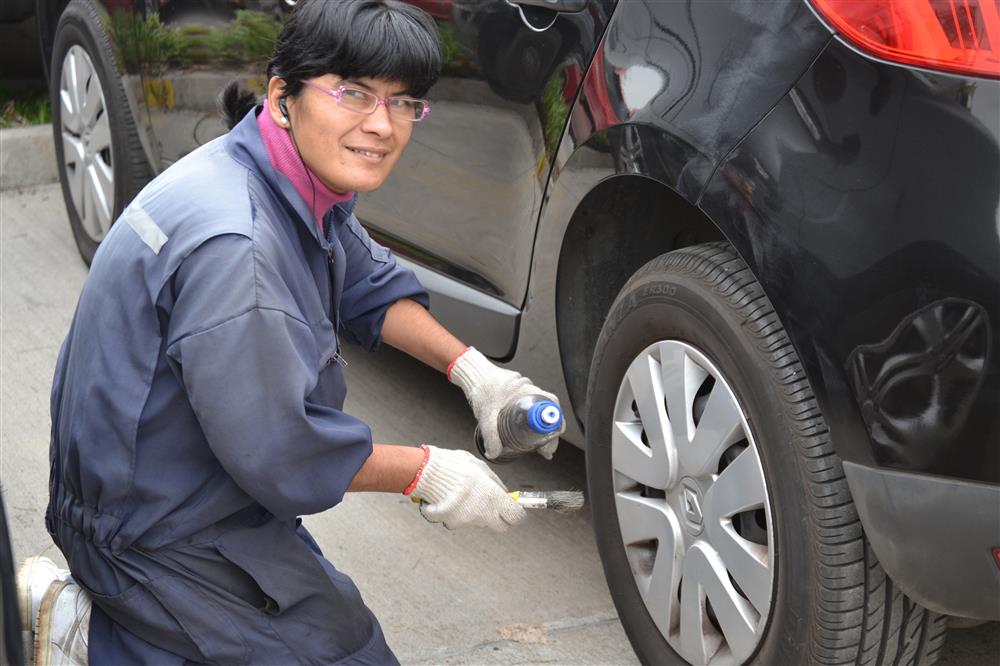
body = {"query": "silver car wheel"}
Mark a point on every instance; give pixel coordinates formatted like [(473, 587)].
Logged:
[(692, 504), (86, 138)]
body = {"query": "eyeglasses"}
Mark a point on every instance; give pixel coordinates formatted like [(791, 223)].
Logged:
[(361, 101)]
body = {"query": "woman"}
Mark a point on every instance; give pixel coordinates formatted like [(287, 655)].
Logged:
[(197, 400)]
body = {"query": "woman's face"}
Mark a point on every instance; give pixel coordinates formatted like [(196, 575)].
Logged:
[(347, 150)]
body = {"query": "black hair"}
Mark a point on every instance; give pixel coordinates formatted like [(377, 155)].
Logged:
[(380, 39)]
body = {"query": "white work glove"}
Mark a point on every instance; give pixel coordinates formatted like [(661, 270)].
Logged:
[(460, 490), (488, 390)]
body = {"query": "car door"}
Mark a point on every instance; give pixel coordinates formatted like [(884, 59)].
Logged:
[(461, 207), (463, 203)]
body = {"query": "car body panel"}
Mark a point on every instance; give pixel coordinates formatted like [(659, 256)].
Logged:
[(494, 326), (691, 79), (649, 112), (914, 521), (867, 205), (14, 11)]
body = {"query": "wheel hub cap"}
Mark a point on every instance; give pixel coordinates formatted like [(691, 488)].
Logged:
[(692, 504), (86, 140)]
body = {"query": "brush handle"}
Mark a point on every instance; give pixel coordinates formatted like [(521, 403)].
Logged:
[(530, 499)]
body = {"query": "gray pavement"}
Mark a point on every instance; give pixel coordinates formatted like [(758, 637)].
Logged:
[(535, 594), (27, 157)]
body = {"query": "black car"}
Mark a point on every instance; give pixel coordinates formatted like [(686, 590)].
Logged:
[(754, 246)]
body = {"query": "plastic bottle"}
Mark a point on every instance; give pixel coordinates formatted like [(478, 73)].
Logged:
[(525, 425)]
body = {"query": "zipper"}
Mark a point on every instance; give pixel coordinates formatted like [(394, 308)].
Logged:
[(329, 273), (335, 316)]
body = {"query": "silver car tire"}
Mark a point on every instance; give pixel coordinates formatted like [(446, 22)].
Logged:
[(725, 525)]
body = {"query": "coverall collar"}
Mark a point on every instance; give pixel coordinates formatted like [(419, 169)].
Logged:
[(246, 146)]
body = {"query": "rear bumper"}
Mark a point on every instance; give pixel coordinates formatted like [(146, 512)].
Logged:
[(934, 537)]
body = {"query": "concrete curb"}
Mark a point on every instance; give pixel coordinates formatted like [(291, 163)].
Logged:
[(27, 157)]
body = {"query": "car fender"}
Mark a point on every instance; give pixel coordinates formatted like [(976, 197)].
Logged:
[(660, 102)]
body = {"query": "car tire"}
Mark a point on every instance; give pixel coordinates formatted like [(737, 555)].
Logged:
[(829, 601), (101, 163)]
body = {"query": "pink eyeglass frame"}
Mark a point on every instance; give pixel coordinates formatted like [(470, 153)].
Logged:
[(338, 92)]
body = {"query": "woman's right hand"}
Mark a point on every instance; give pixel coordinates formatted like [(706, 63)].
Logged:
[(460, 490)]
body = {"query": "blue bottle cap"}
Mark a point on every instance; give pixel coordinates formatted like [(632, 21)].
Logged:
[(544, 417)]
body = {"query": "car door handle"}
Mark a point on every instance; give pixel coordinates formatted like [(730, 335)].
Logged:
[(567, 6)]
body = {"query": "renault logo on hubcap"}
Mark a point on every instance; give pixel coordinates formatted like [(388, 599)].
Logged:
[(691, 505)]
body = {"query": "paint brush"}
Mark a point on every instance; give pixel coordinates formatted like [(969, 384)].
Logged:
[(560, 501)]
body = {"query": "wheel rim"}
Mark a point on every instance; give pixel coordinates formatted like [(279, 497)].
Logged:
[(86, 142), (692, 504)]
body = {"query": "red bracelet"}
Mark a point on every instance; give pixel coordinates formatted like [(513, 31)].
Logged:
[(420, 470), (452, 364)]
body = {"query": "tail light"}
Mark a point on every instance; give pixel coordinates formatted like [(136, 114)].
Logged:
[(960, 36)]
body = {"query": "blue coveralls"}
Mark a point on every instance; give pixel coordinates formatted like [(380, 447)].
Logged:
[(196, 412)]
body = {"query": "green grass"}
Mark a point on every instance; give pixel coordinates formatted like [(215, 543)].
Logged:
[(555, 111), (23, 107), (454, 61), (247, 40), (144, 41)]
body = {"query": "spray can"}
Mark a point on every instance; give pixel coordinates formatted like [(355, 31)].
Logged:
[(525, 425)]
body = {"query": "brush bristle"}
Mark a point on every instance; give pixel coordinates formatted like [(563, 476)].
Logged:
[(564, 501)]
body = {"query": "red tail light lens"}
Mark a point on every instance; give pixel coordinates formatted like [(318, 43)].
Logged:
[(961, 36)]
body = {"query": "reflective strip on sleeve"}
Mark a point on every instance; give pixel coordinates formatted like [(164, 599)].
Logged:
[(143, 224)]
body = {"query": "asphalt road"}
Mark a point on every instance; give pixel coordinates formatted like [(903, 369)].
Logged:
[(535, 594)]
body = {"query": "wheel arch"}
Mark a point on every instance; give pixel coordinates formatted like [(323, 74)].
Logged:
[(601, 249)]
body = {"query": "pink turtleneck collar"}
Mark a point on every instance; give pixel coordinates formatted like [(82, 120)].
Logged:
[(285, 159)]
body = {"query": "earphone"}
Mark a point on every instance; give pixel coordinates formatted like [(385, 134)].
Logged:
[(284, 111)]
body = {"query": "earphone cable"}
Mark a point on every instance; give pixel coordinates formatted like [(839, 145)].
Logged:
[(312, 184)]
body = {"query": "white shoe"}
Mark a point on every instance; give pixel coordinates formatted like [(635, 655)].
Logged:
[(34, 576), (61, 634)]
